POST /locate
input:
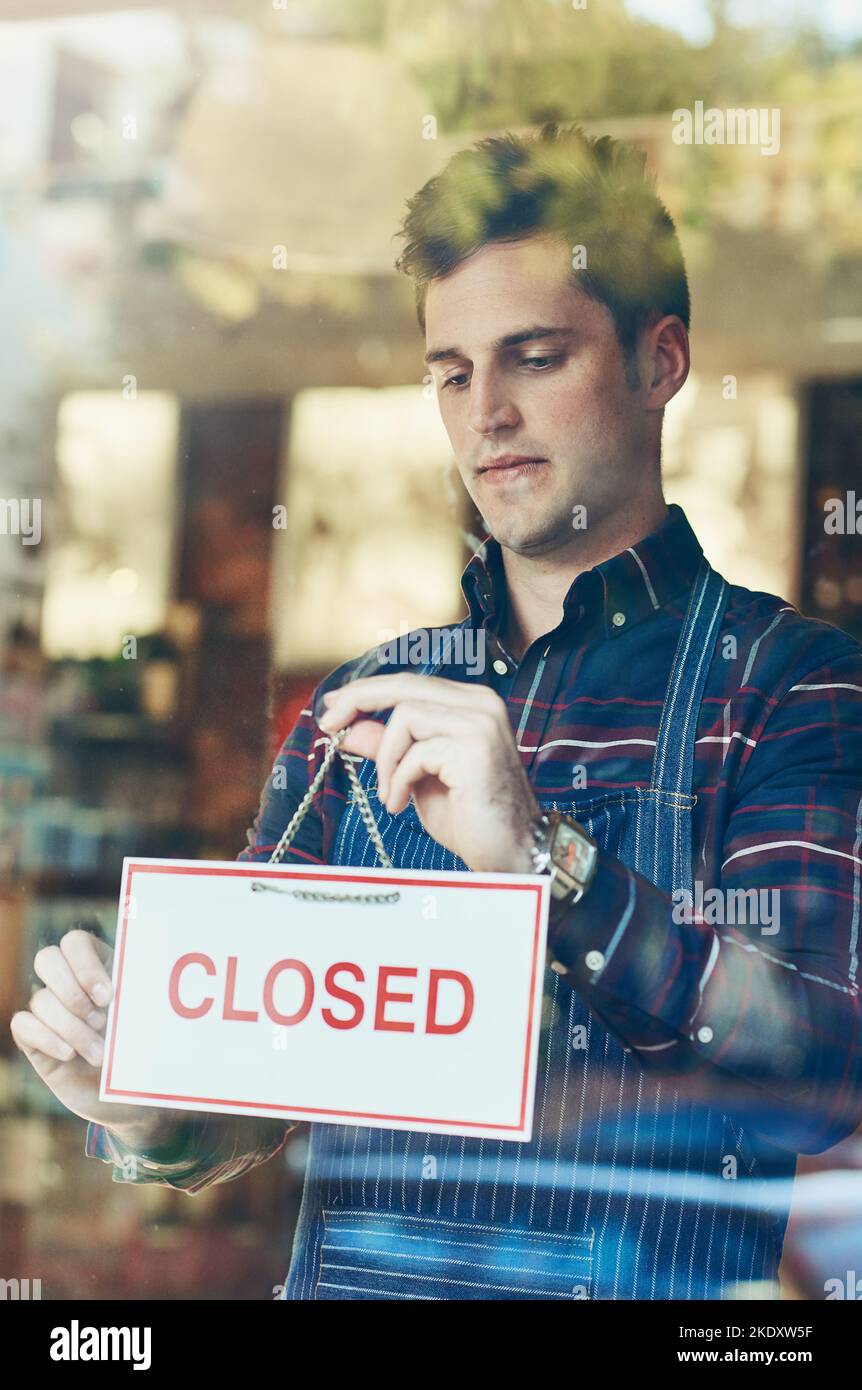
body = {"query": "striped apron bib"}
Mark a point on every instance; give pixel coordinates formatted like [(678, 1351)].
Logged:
[(624, 1190)]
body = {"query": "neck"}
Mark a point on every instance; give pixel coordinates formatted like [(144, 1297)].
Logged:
[(536, 585)]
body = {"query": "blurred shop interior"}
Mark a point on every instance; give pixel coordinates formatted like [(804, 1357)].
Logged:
[(223, 473)]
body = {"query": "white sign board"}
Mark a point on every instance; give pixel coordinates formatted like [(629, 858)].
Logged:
[(281, 990)]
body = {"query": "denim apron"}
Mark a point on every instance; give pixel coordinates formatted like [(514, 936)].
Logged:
[(623, 1191)]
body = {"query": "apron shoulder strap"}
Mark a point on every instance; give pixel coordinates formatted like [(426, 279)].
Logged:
[(673, 763)]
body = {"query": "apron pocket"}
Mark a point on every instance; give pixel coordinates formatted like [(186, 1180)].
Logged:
[(380, 1254)]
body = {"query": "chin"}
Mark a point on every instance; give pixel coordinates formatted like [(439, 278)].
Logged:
[(526, 540)]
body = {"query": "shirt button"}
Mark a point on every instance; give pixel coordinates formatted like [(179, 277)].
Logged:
[(704, 1035), (501, 668), (618, 619), (594, 960)]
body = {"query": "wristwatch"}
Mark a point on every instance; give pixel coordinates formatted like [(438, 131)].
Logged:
[(563, 849)]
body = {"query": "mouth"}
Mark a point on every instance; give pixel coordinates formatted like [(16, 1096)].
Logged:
[(509, 466)]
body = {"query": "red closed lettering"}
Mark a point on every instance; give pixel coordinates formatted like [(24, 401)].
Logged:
[(347, 995), (431, 1024), (242, 1015), (337, 992), (193, 958), (381, 1023), (269, 1003)]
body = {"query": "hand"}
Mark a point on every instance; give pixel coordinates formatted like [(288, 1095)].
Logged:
[(449, 744), (63, 1033)]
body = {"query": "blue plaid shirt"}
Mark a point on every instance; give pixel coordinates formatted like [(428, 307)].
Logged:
[(778, 810)]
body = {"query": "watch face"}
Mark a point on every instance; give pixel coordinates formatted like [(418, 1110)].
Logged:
[(571, 852)]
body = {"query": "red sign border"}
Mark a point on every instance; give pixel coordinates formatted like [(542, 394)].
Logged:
[(300, 874)]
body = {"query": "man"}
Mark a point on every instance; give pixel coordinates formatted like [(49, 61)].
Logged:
[(692, 741)]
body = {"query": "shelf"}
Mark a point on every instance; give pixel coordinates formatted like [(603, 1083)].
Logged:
[(119, 730)]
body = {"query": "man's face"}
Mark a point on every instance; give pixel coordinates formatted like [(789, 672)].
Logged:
[(509, 386)]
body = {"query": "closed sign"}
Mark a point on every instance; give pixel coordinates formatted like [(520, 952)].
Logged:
[(392, 998)]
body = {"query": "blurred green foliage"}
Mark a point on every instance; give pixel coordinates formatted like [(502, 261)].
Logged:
[(491, 63)]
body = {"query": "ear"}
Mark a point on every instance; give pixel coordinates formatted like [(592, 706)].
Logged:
[(665, 359)]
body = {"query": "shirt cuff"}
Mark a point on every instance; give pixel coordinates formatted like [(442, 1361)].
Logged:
[(589, 933), (620, 946), (165, 1162)]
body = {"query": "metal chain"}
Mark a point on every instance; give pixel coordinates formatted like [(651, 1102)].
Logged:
[(364, 810), (308, 896)]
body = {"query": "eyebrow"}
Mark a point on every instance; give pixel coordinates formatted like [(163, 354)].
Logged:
[(524, 335)]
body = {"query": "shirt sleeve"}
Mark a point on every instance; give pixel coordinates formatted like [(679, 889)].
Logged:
[(206, 1150), (213, 1148), (756, 998), (286, 786)]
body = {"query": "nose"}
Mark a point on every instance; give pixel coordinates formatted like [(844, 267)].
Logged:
[(491, 407)]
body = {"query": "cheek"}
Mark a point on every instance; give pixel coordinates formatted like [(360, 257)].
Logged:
[(454, 412), (592, 399), (564, 403)]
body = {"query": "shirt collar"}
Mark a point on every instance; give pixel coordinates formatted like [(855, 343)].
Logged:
[(618, 593)]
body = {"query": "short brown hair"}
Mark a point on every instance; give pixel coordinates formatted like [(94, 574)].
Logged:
[(594, 192)]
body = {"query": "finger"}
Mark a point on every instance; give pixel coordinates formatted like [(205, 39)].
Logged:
[(410, 722), (385, 692), (54, 971), (47, 1008), (426, 759), (363, 738), (87, 957), (38, 1042)]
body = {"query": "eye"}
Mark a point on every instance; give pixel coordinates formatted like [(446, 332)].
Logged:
[(538, 363), (541, 362)]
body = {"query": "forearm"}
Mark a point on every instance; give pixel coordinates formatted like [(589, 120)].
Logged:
[(198, 1151), (191, 1150), (757, 1032)]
